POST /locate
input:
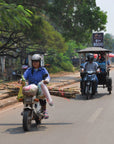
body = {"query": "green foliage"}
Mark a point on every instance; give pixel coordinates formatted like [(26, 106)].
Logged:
[(54, 69), (45, 35), (34, 5), (109, 42), (77, 19), (58, 62), (67, 66), (73, 48), (62, 61), (28, 26), (14, 17)]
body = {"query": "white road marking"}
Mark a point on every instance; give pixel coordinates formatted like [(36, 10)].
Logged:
[(95, 115)]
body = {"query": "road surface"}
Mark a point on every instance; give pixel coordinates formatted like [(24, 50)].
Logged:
[(72, 121)]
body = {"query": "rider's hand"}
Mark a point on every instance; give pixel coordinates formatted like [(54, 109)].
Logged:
[(82, 70), (23, 82), (20, 81), (98, 70), (45, 82)]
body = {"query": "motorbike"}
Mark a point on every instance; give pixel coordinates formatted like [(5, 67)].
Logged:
[(32, 111), (32, 107), (89, 84)]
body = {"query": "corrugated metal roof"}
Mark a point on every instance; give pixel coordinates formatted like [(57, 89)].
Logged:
[(93, 50)]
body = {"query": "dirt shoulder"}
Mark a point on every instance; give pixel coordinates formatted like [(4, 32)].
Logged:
[(61, 80), (63, 73)]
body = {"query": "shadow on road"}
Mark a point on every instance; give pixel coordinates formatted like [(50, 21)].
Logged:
[(57, 124), (34, 128), (8, 124), (96, 96), (19, 130)]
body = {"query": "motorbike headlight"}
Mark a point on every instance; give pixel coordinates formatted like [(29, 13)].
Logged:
[(28, 100), (88, 83)]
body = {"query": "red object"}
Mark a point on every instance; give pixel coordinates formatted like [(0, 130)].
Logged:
[(110, 55), (95, 55)]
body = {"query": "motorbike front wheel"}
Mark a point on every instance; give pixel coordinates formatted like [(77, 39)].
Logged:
[(88, 94), (27, 120)]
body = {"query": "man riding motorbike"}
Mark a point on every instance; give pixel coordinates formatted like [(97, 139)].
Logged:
[(89, 66), (39, 76)]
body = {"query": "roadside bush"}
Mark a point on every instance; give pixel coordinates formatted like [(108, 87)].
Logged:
[(62, 61), (67, 66), (58, 62), (54, 69)]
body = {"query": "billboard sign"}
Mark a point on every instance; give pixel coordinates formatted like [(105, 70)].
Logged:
[(98, 39)]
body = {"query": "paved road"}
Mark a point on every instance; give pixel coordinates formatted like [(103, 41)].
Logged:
[(72, 121)]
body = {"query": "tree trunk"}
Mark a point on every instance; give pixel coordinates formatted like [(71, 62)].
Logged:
[(29, 60), (3, 63)]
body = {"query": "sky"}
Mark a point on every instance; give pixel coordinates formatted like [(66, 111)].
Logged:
[(108, 6)]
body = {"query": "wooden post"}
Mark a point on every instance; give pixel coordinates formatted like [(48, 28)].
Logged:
[(42, 60), (29, 60), (3, 63)]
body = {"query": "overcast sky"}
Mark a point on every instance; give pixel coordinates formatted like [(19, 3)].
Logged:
[(108, 6)]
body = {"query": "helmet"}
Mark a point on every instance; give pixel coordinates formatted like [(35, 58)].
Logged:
[(90, 57), (36, 57)]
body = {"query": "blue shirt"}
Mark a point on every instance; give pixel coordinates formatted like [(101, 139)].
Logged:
[(90, 66), (103, 65), (37, 76)]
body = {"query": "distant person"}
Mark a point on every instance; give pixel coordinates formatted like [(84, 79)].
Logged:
[(102, 62)]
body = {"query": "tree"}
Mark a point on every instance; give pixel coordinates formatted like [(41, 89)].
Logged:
[(76, 19), (45, 36), (40, 5), (109, 41), (73, 48), (38, 35), (58, 61), (13, 19)]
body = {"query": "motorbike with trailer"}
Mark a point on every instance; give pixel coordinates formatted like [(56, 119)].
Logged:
[(104, 79)]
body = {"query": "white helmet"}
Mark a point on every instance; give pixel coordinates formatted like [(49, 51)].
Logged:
[(36, 57)]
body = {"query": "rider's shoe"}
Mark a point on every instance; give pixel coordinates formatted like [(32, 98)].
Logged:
[(46, 116)]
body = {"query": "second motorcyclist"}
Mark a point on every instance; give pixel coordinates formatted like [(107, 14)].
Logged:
[(90, 65)]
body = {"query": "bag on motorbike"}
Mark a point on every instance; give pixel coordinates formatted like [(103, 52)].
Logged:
[(46, 93), (30, 90), (20, 94)]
